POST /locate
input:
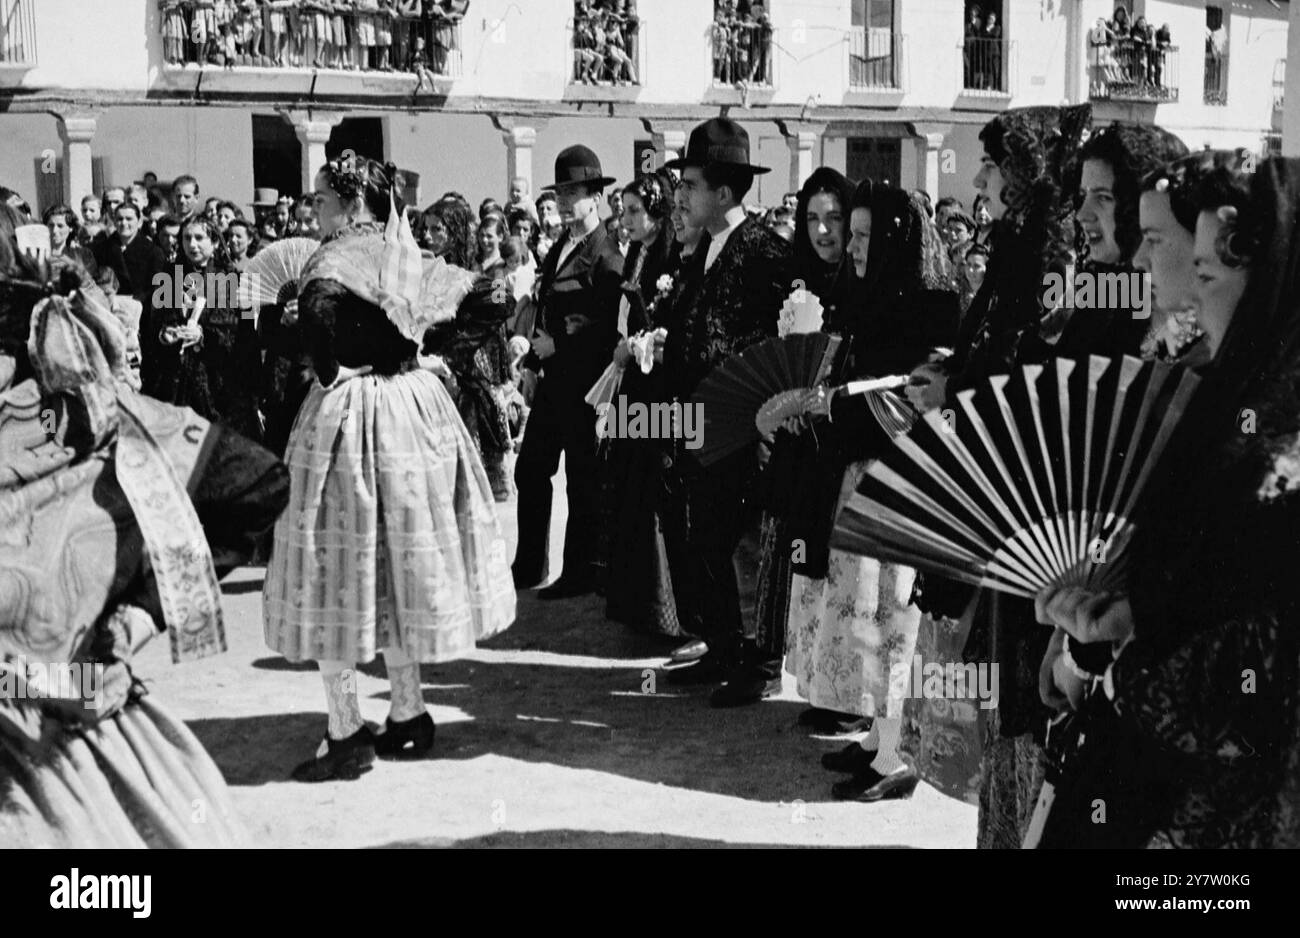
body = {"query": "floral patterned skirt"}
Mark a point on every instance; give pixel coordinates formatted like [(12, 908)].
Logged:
[(137, 779), (391, 534), (852, 636)]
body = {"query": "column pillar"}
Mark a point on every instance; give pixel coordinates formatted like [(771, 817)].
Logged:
[(928, 148), (77, 130), (801, 144), (520, 142), (313, 131)]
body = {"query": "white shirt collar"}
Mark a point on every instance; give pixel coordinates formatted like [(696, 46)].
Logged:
[(735, 215)]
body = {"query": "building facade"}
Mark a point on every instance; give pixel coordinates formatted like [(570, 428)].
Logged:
[(99, 91)]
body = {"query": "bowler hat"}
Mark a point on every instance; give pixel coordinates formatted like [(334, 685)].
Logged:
[(718, 142), (578, 164), (265, 198)]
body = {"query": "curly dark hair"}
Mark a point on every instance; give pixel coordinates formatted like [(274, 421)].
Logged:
[(1226, 189), (655, 190), (1132, 151), (356, 178), (457, 217), (1181, 180)]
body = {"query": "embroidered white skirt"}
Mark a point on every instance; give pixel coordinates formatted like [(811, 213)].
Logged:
[(391, 535)]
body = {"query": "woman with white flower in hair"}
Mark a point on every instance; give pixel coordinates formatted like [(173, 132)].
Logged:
[(639, 592), (391, 540)]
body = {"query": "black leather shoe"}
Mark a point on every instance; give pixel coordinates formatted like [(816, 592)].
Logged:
[(691, 651), (347, 759), (706, 670), (872, 786), (817, 720), (852, 758), (409, 739), (741, 691), (566, 589)]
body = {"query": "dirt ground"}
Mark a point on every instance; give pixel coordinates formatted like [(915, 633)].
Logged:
[(546, 737)]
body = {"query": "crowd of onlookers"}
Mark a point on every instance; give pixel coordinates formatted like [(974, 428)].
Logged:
[(605, 36), (1127, 52), (742, 43), (372, 35)]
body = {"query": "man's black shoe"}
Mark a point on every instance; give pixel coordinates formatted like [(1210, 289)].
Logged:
[(706, 670), (691, 651), (818, 720), (872, 786), (852, 758), (740, 691), (565, 589)]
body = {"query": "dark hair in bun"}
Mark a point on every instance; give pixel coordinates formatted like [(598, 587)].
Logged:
[(354, 178)]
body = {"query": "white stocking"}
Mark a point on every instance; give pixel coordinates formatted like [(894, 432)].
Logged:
[(341, 698), (887, 760), (404, 676)]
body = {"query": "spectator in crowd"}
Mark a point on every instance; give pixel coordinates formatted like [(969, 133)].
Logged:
[(226, 213), (62, 222), (131, 255), (973, 267), (112, 197), (167, 235), (791, 201), (983, 219), (491, 232), (446, 232), (781, 220), (521, 198), (185, 196), (523, 226), (940, 212), (241, 242), (305, 223), (615, 204), (210, 208), (92, 226), (550, 226), (489, 206)]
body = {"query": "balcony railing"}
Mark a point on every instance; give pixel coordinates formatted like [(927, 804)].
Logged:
[(984, 64), (1216, 79), (609, 51), (17, 33), (299, 36), (876, 60), (743, 55), (1128, 71)]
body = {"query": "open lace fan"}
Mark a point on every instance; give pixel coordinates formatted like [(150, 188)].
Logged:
[(758, 389), (276, 266), (1030, 482)]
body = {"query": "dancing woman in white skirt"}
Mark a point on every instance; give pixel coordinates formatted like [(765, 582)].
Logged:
[(391, 540)]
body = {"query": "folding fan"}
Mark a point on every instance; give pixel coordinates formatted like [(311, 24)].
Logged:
[(764, 385), (1032, 482), (276, 266)]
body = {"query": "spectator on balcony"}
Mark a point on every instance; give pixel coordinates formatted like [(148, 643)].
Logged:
[(973, 71), (1119, 25), (1141, 40), (625, 12), (350, 51), (760, 42), (721, 36), (249, 28), (587, 62), (1101, 58), (1164, 41), (418, 61), (173, 18), (992, 57), (617, 61), (741, 28), (443, 15), (315, 30), (384, 22), (203, 29), (277, 30)]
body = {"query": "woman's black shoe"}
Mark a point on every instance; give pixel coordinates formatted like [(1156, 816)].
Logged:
[(852, 758), (827, 721), (347, 759), (409, 739), (872, 786)]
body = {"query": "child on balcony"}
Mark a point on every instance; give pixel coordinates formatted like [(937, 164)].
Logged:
[(405, 28), (277, 28), (203, 30), (418, 62), (618, 62), (173, 31), (384, 21), (248, 27), (587, 61), (367, 11), (721, 34)]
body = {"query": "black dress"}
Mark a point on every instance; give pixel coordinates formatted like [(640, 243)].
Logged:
[(639, 590)]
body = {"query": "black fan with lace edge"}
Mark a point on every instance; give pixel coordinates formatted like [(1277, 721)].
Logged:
[(1031, 482), (766, 380)]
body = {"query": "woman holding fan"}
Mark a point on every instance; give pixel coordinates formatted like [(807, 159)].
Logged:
[(1191, 733), (391, 540), (852, 625)]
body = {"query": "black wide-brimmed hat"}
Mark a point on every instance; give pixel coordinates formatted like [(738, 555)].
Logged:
[(578, 164), (718, 142)]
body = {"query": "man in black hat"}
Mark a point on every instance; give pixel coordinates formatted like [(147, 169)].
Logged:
[(576, 330), (735, 285)]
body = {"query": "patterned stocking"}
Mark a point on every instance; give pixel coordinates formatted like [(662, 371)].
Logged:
[(341, 697), (887, 760), (404, 676)]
